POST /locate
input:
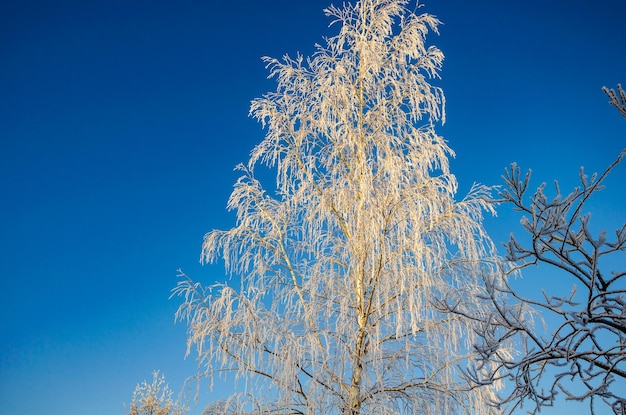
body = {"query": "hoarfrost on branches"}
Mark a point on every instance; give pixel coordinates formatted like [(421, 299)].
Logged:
[(344, 268), (583, 356), (617, 99)]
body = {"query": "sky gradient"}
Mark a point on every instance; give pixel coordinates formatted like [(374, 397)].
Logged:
[(121, 122)]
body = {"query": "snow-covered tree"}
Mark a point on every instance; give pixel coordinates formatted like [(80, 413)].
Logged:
[(154, 398), (343, 266), (581, 353)]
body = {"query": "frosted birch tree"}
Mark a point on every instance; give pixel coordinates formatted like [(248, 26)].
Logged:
[(155, 398), (340, 266), (581, 353)]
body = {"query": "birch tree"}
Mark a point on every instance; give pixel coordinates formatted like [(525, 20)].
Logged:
[(335, 273), (155, 398), (582, 353)]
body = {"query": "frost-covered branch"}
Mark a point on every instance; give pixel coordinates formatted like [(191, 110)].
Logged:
[(617, 99), (583, 353)]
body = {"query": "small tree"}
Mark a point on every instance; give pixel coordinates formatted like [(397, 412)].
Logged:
[(154, 398), (584, 356), (341, 268)]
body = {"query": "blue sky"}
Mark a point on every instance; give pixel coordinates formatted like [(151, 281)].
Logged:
[(121, 122)]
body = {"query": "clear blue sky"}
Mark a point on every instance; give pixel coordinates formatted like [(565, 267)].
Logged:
[(121, 121)]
